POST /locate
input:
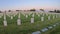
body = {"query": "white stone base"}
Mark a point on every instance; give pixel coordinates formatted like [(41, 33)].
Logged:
[(5, 23), (48, 17), (32, 20), (42, 18), (18, 22), (11, 17), (37, 32), (26, 16)]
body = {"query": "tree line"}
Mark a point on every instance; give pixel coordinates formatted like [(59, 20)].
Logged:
[(55, 11)]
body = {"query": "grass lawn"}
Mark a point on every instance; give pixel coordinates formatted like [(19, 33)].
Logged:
[(26, 27)]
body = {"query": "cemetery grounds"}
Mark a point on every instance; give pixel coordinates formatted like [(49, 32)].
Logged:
[(26, 26)]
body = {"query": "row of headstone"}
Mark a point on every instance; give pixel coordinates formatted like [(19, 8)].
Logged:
[(19, 20), (49, 17), (45, 29), (5, 21), (42, 18), (37, 32), (32, 19)]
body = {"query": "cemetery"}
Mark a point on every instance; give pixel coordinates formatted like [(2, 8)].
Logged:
[(21, 22)]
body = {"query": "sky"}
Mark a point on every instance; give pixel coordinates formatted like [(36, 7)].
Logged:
[(29, 4)]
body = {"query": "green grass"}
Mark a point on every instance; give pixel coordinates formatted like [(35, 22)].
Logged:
[(26, 27), (56, 30)]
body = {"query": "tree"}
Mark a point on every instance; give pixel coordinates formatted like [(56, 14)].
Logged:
[(32, 10), (57, 11), (42, 9), (17, 10), (9, 10), (0, 11), (51, 11)]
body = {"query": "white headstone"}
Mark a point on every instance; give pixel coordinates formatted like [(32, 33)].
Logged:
[(5, 23), (11, 17), (54, 25), (37, 32), (44, 30), (4, 17), (43, 14), (50, 27), (32, 20), (42, 18), (33, 15), (26, 16), (53, 17), (19, 15), (18, 22), (48, 17)]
